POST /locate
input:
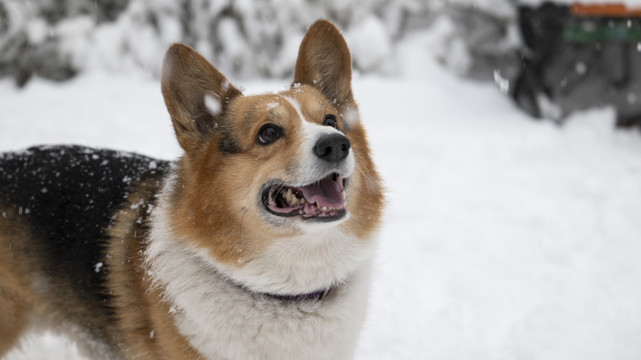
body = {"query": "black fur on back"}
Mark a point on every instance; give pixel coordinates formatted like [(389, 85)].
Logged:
[(68, 197)]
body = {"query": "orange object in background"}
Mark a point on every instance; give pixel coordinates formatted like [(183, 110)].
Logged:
[(609, 10)]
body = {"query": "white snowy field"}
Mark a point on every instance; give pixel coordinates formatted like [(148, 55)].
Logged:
[(504, 239)]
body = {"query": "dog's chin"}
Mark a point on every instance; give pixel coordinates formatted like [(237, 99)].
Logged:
[(323, 201)]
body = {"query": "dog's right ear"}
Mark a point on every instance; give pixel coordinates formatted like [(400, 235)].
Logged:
[(195, 93)]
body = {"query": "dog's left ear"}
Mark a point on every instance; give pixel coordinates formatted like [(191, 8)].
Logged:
[(324, 62), (195, 93)]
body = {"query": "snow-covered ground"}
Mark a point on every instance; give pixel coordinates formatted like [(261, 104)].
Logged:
[(505, 238)]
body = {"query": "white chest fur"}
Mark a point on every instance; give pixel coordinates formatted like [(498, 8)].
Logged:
[(225, 321)]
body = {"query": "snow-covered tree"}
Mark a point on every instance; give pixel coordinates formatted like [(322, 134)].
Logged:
[(59, 38)]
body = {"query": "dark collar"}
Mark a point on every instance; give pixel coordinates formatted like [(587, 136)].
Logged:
[(313, 296), (317, 295)]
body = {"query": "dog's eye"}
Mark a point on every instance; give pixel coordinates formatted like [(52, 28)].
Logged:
[(268, 134), (330, 120)]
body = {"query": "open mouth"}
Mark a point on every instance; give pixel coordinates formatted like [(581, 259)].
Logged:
[(323, 200)]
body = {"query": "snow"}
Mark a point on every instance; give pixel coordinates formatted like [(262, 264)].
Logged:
[(505, 238), (362, 36), (213, 104), (248, 40), (502, 82), (441, 42), (272, 105), (37, 31)]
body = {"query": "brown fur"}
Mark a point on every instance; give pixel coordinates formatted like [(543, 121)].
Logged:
[(127, 278), (16, 299), (214, 183), (214, 204), (28, 297), (332, 75)]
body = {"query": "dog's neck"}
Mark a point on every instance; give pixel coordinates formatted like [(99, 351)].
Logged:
[(313, 296)]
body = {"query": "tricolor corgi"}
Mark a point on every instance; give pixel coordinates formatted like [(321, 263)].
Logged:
[(255, 244)]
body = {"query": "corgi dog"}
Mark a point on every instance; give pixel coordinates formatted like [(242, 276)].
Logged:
[(256, 243)]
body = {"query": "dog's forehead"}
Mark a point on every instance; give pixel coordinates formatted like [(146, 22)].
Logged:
[(305, 101), (300, 103)]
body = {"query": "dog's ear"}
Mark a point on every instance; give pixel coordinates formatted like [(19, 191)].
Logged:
[(195, 93), (324, 62)]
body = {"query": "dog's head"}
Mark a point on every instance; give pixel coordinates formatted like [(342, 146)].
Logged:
[(282, 180)]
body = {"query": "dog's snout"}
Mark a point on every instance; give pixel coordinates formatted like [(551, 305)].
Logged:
[(332, 147)]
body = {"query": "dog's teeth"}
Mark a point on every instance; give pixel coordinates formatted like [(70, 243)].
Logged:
[(291, 196), (317, 205), (324, 208), (302, 201)]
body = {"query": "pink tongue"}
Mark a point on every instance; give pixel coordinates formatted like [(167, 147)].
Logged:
[(327, 192)]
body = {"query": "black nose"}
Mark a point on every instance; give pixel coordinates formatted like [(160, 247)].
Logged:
[(332, 147)]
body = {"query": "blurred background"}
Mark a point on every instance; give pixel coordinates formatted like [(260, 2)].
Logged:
[(507, 132), (559, 56)]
